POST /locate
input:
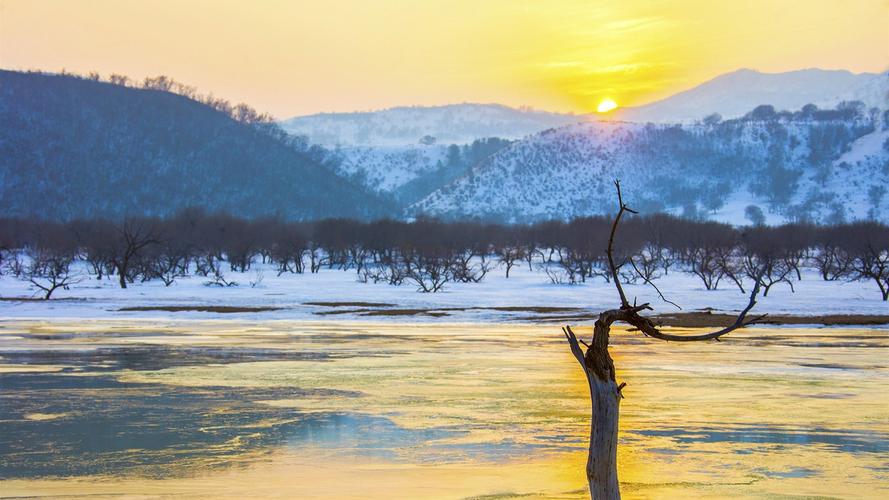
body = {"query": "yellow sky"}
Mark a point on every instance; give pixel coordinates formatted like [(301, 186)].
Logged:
[(290, 57)]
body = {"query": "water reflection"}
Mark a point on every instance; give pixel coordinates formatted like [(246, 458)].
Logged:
[(847, 441), (493, 410), (112, 427)]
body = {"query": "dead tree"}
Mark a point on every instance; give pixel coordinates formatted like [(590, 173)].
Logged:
[(597, 365)]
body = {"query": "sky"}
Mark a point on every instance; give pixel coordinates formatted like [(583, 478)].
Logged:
[(299, 57)]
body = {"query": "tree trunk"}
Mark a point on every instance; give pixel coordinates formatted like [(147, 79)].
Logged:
[(122, 274), (605, 396), (601, 469)]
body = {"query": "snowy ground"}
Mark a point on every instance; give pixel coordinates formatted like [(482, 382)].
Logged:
[(91, 298)]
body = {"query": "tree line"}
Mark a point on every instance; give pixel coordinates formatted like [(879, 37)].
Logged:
[(430, 253)]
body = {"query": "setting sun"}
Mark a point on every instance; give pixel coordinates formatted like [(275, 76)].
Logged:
[(606, 105)]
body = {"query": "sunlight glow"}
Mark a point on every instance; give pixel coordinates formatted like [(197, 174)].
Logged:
[(606, 105), (301, 57)]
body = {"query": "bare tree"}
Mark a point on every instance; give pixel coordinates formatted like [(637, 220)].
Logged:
[(597, 365), (429, 271), (134, 235), (50, 270), (832, 261), (763, 260), (702, 261), (509, 254), (731, 265), (870, 250), (872, 263)]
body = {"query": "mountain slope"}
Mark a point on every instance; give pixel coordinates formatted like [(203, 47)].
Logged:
[(409, 173), (72, 147), (794, 168), (450, 124), (733, 94)]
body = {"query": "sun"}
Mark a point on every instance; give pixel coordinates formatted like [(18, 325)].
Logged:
[(606, 105)]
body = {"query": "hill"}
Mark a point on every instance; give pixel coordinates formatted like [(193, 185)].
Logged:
[(73, 147), (734, 94), (819, 165), (411, 172), (449, 124)]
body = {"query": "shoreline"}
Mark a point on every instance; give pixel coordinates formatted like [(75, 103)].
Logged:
[(375, 311)]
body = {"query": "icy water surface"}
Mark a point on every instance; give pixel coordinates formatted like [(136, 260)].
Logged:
[(315, 410)]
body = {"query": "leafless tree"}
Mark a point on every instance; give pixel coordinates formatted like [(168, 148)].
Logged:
[(870, 251), (467, 268), (598, 367), (831, 256), (288, 249), (133, 236), (702, 261), (873, 264), (168, 264), (428, 271), (647, 261), (832, 262), (509, 255), (731, 265), (50, 270), (764, 262)]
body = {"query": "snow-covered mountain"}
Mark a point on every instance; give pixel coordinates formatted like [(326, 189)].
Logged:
[(450, 124), (734, 94), (791, 161), (827, 165), (387, 168), (409, 173)]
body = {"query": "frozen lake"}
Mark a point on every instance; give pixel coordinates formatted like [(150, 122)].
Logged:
[(234, 408)]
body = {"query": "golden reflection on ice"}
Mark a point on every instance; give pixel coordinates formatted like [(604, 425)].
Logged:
[(767, 412)]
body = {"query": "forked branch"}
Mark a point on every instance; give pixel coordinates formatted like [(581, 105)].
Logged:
[(630, 314)]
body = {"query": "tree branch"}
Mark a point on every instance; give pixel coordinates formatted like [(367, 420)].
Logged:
[(623, 208), (575, 347), (630, 314), (647, 327), (658, 290)]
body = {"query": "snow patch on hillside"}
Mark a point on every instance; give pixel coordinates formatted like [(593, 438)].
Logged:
[(449, 124), (792, 169), (387, 168)]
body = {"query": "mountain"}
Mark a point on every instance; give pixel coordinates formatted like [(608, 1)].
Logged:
[(73, 147), (449, 124), (733, 94), (408, 173), (819, 165), (402, 152)]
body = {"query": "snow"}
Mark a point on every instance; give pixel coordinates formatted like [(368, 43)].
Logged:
[(102, 299), (387, 168), (567, 172), (732, 212), (448, 124), (853, 176), (865, 147)]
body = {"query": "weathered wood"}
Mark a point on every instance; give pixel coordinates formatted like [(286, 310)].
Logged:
[(598, 367), (605, 396)]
